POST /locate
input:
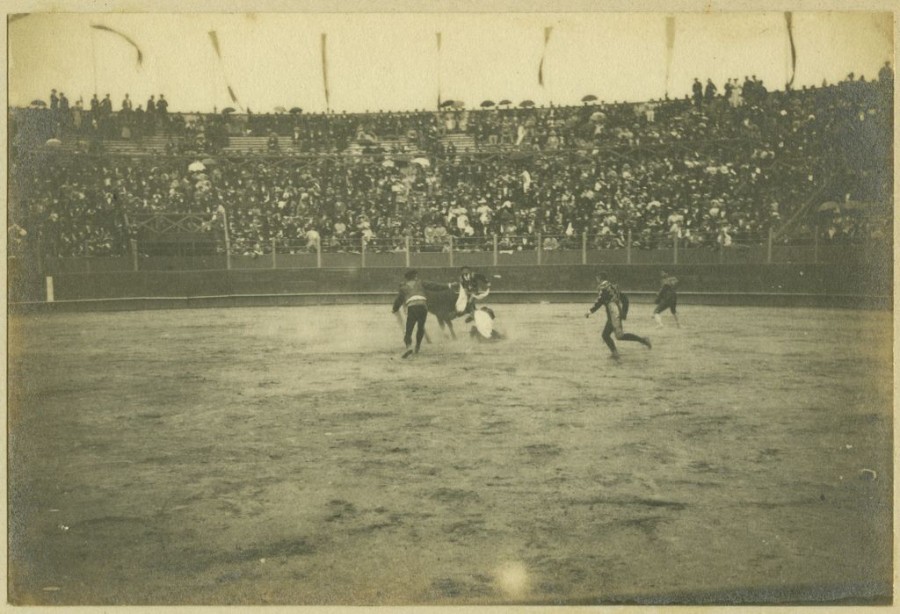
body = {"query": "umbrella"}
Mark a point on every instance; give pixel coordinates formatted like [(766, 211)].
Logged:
[(38, 103), (53, 143), (459, 104), (597, 116), (421, 161), (295, 110), (589, 98), (196, 167), (447, 103), (228, 110), (505, 102), (526, 103), (280, 110), (488, 103)]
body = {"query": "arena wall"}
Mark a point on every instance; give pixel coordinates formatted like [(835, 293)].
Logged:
[(846, 284)]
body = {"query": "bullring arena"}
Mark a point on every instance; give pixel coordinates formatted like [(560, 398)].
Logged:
[(208, 403)]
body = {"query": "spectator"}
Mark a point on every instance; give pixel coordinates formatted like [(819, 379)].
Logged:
[(698, 93)]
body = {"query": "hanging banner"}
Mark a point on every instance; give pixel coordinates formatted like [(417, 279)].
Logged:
[(140, 54), (325, 71), (789, 19), (547, 31)]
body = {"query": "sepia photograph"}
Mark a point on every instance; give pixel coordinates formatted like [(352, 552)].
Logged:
[(449, 304)]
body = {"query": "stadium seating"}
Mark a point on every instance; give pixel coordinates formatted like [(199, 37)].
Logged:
[(649, 173)]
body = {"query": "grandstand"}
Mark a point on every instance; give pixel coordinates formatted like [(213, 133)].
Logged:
[(246, 429), (782, 179)]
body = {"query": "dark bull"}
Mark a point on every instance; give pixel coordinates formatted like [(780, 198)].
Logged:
[(442, 303)]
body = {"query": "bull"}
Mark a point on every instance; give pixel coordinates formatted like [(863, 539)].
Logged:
[(443, 304)]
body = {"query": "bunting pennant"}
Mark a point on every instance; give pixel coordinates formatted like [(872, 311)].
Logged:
[(140, 54), (214, 38), (547, 31), (670, 47), (789, 19), (325, 70)]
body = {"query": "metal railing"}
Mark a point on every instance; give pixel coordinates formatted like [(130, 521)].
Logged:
[(538, 249)]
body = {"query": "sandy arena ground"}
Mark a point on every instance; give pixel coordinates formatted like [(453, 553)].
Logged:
[(289, 456)]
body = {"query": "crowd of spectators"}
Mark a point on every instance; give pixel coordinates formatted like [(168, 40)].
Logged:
[(718, 170)]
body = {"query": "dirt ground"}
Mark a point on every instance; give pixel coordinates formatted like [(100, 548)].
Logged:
[(289, 456)]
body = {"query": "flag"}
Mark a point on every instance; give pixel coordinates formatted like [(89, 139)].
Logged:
[(325, 71), (547, 31), (140, 54), (670, 47), (214, 38), (789, 18)]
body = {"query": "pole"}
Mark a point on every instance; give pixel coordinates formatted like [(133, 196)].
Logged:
[(94, 60), (274, 254), (227, 241), (49, 285), (816, 245), (134, 255), (451, 250), (362, 252), (540, 249), (496, 253), (584, 247), (769, 247), (319, 253), (675, 257), (40, 255), (406, 241), (628, 248)]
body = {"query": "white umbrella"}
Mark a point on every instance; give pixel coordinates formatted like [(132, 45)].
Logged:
[(421, 161), (196, 167)]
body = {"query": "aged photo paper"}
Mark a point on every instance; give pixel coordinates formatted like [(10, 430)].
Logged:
[(449, 304)]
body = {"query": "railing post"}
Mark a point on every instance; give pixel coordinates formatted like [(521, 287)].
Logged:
[(406, 241), (319, 253), (769, 247), (227, 241), (496, 251), (362, 252), (134, 255), (816, 245), (40, 255), (451, 251), (628, 247), (675, 256), (274, 253), (584, 247), (48, 281), (540, 248)]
